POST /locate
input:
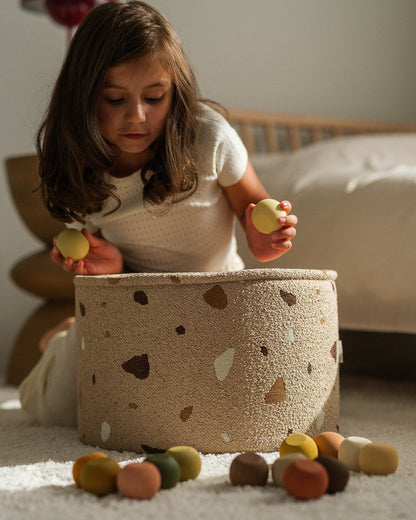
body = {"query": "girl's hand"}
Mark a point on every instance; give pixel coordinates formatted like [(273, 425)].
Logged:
[(102, 258), (269, 247)]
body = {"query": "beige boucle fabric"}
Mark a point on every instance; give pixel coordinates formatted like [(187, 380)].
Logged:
[(223, 362)]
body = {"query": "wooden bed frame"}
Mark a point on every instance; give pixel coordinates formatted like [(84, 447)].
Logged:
[(264, 132)]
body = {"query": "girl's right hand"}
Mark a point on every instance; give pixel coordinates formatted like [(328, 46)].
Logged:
[(102, 258)]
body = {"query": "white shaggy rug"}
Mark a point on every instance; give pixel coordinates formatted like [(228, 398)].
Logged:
[(36, 471)]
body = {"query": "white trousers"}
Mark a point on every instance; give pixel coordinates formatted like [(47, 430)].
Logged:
[(49, 392)]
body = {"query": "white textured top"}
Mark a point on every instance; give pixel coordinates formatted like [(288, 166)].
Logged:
[(195, 234)]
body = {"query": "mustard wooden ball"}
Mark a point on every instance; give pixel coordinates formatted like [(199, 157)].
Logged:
[(99, 476), (378, 458), (71, 243)]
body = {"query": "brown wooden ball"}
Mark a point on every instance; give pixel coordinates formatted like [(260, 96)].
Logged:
[(338, 473), (249, 469)]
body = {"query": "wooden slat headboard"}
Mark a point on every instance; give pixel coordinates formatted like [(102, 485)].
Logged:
[(274, 132)]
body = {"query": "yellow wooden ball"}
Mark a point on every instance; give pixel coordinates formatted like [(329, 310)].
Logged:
[(299, 443), (71, 243), (265, 214)]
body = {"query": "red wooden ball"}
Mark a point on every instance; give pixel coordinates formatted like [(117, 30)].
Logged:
[(305, 479)]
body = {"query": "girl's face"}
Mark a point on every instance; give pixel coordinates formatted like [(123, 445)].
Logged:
[(133, 109)]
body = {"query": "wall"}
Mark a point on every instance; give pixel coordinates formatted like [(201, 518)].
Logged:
[(350, 59)]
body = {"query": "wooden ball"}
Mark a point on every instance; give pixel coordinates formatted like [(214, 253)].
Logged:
[(249, 469), (280, 465), (72, 244), (168, 467), (265, 214), (378, 458), (139, 480), (349, 450), (99, 476), (188, 459), (328, 443), (299, 443), (305, 479), (79, 464), (338, 473)]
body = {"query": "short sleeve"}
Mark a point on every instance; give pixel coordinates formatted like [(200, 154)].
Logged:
[(231, 156)]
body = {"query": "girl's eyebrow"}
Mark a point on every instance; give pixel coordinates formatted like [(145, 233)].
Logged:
[(162, 83)]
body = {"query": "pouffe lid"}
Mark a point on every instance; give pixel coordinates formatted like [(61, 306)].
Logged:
[(127, 279)]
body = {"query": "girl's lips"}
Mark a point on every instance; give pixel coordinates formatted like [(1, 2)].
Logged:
[(134, 137)]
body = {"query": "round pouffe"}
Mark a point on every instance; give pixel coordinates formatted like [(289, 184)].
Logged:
[(222, 362)]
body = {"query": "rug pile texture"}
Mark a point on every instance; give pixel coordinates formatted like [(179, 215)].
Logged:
[(36, 470)]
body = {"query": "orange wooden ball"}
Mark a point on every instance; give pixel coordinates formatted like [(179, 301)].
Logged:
[(80, 463), (305, 479), (328, 443)]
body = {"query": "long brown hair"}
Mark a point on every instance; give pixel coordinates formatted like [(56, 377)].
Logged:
[(73, 154)]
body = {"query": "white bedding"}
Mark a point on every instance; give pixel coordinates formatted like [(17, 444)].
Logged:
[(356, 202)]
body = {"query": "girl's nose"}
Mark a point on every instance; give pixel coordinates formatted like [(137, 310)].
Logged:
[(136, 113)]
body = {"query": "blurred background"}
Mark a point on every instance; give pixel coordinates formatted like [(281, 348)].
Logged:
[(334, 58)]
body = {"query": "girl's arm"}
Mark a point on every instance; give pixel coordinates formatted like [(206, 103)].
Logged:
[(102, 258), (242, 197)]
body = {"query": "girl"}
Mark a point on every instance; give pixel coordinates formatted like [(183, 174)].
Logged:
[(153, 176)]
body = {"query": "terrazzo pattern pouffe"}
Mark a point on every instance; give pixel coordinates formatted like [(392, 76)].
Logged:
[(223, 362)]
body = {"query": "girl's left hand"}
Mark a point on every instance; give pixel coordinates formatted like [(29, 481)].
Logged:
[(269, 247)]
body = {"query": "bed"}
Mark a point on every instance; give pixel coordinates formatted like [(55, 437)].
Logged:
[(353, 187)]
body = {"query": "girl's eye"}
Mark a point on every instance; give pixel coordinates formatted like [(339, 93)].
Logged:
[(154, 100), (117, 101)]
